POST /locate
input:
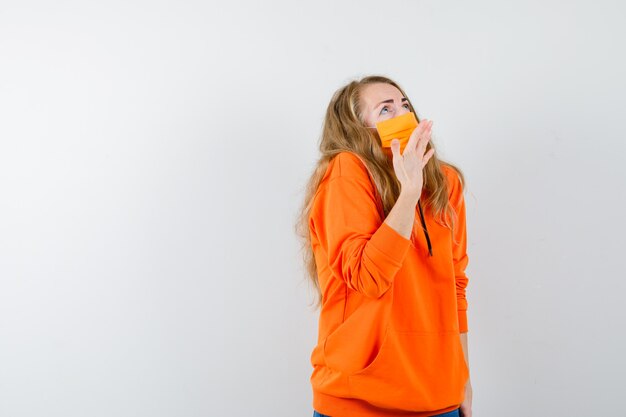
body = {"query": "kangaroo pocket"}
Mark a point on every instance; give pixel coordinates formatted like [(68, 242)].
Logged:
[(416, 371), (354, 343)]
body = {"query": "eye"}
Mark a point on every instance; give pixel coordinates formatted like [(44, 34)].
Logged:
[(407, 106), (383, 109)]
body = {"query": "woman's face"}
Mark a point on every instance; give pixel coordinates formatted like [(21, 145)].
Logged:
[(382, 101)]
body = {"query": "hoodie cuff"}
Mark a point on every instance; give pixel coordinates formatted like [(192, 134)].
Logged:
[(391, 244)]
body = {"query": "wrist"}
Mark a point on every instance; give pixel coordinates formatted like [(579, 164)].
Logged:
[(408, 197)]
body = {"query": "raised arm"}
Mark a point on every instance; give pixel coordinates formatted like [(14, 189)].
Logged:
[(363, 250)]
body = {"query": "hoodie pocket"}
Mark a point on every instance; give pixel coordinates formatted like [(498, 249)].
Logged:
[(356, 342), (418, 371)]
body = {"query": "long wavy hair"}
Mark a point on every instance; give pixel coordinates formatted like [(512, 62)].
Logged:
[(344, 129)]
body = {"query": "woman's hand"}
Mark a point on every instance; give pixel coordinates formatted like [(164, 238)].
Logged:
[(409, 165), (466, 405)]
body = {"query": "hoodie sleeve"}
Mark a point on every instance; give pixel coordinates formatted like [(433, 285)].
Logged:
[(362, 250), (459, 249)]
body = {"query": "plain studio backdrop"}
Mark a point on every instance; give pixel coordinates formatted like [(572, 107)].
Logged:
[(153, 157)]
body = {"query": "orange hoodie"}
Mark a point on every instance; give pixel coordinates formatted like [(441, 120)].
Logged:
[(388, 341)]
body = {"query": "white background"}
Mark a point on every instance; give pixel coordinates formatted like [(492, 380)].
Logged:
[(152, 161)]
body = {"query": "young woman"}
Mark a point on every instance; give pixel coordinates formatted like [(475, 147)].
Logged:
[(384, 241)]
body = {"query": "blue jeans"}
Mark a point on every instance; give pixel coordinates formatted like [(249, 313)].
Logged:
[(453, 413)]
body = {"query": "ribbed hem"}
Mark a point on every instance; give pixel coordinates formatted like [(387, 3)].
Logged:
[(350, 407)]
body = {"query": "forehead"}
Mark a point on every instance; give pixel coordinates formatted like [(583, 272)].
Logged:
[(373, 94)]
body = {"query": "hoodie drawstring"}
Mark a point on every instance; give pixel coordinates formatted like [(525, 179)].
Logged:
[(430, 249)]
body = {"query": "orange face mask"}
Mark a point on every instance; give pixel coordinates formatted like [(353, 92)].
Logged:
[(399, 127)]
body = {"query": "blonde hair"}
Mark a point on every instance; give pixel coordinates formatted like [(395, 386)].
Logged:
[(344, 129)]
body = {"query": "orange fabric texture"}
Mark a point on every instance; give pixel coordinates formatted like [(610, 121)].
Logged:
[(388, 342), (399, 127)]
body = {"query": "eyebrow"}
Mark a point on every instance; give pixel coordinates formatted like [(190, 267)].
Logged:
[(389, 101)]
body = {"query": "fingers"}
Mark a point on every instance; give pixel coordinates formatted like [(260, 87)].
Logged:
[(420, 135), (430, 153), (416, 134), (423, 141), (395, 147), (395, 151)]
